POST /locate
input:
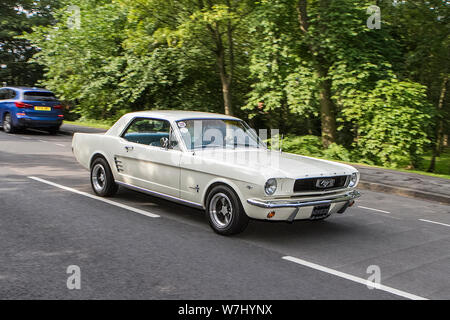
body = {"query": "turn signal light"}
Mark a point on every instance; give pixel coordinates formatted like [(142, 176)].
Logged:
[(271, 214)]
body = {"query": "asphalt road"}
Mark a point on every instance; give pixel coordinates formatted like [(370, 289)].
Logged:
[(124, 254)]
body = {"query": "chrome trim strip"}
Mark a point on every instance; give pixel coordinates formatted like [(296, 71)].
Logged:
[(270, 204), (161, 195)]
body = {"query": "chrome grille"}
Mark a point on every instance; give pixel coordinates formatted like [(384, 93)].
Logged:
[(321, 183)]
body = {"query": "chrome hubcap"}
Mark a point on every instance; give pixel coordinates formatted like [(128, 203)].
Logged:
[(98, 177), (221, 210)]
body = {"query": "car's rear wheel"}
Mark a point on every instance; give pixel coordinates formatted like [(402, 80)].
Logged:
[(8, 127), (53, 130), (102, 179), (224, 210)]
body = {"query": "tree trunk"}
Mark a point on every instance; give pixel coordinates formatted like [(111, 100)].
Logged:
[(439, 127), (327, 112), (225, 79), (327, 107), (226, 90), (226, 76)]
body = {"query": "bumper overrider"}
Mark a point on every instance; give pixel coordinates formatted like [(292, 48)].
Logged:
[(341, 202)]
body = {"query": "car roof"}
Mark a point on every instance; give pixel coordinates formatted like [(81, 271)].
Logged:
[(18, 88), (175, 115)]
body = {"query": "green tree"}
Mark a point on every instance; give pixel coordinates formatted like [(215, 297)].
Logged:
[(342, 52), (282, 84), (84, 63), (422, 30), (214, 28), (113, 63), (306, 67), (20, 16), (391, 121)]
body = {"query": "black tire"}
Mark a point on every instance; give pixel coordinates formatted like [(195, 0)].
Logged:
[(102, 179), (8, 127), (53, 130), (224, 211)]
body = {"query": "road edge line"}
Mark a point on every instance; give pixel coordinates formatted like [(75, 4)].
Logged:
[(377, 210)]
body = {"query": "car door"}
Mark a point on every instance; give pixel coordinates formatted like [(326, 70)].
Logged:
[(3, 94), (143, 162)]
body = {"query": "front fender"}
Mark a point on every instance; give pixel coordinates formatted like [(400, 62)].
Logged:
[(244, 190)]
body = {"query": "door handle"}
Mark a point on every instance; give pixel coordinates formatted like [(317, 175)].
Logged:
[(129, 148)]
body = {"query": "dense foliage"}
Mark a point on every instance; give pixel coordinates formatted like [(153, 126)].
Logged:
[(16, 17), (310, 68)]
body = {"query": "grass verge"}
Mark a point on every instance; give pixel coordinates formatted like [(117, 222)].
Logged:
[(442, 165), (91, 123)]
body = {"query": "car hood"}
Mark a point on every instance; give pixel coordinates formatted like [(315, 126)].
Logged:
[(274, 164)]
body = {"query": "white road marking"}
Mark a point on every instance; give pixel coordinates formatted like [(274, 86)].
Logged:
[(378, 213), (440, 223), (114, 203), (43, 141), (378, 210), (59, 144), (353, 278)]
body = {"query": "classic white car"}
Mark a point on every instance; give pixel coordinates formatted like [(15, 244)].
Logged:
[(216, 163)]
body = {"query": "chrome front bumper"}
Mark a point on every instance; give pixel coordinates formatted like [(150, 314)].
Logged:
[(272, 204)]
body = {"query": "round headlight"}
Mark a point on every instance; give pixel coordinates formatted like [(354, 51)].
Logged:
[(270, 187), (353, 180)]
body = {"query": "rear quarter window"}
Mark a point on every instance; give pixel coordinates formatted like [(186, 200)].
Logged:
[(11, 94), (39, 96)]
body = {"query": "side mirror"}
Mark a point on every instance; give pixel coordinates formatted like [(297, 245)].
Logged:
[(164, 142)]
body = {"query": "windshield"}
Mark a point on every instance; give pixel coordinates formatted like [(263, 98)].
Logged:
[(218, 133)]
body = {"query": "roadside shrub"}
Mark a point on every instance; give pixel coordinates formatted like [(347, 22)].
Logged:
[(391, 122), (312, 146), (304, 145), (337, 152)]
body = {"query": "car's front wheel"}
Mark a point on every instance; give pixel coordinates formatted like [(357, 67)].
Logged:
[(102, 179), (8, 126), (225, 213)]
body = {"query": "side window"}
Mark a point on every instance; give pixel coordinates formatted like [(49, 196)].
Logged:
[(148, 131), (3, 94), (11, 94)]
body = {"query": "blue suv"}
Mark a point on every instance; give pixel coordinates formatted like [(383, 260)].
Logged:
[(23, 107)]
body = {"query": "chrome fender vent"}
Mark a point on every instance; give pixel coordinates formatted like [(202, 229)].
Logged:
[(119, 165)]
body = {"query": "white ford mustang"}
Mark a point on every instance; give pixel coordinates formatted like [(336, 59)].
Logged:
[(216, 163)]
